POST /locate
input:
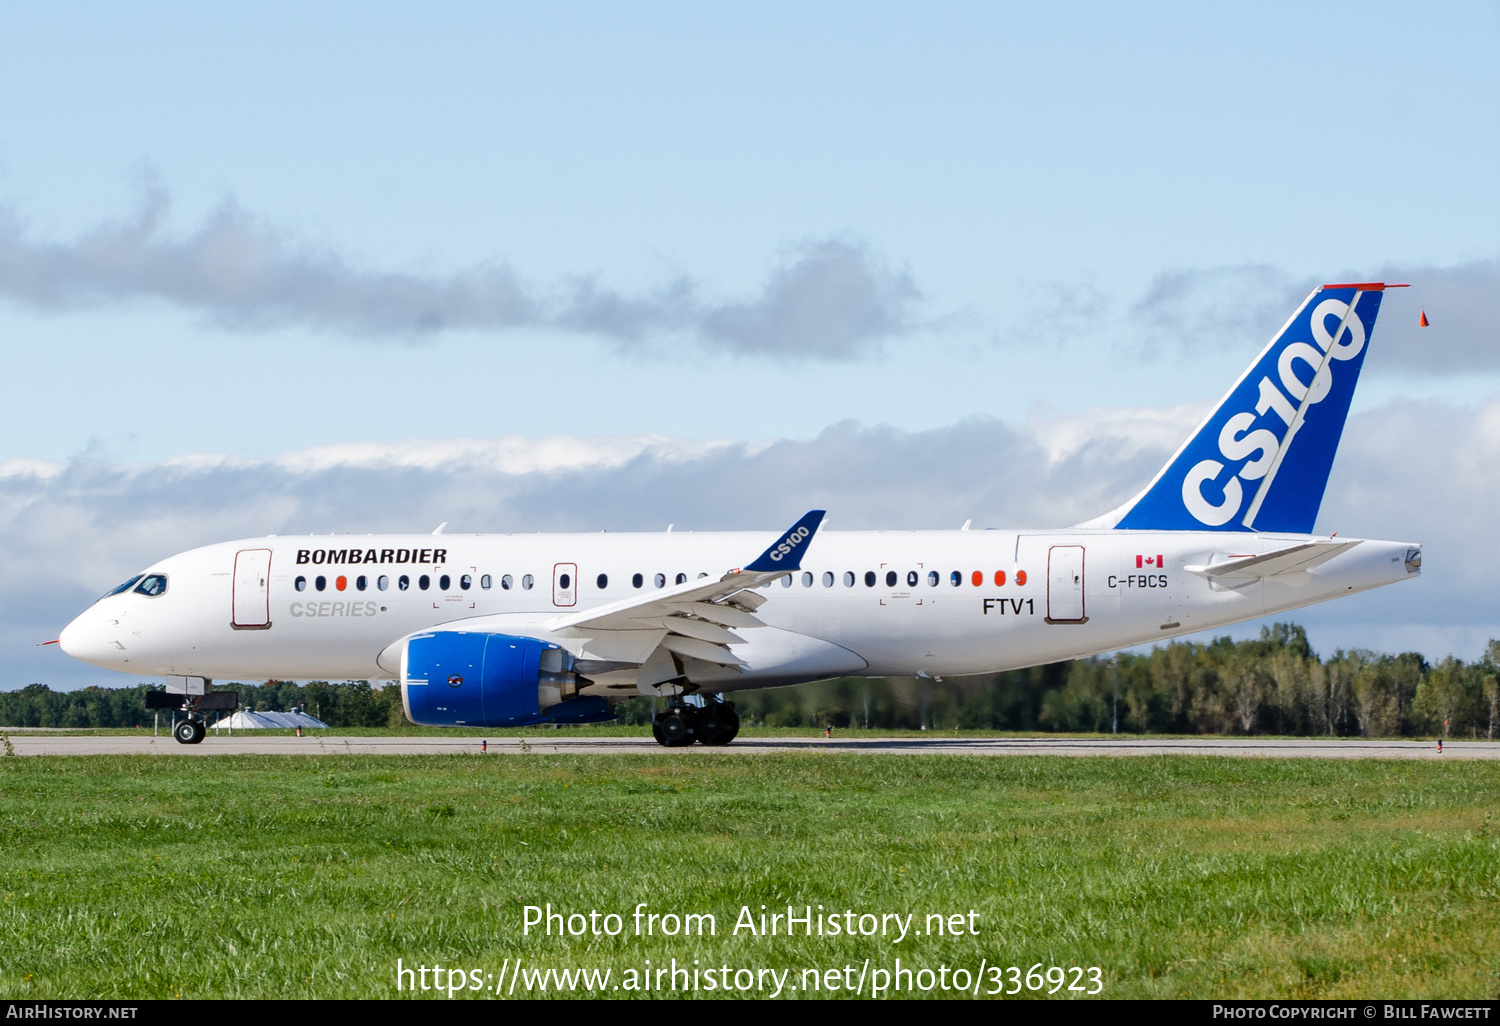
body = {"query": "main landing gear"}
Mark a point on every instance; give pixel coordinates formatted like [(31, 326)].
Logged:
[(680, 724)]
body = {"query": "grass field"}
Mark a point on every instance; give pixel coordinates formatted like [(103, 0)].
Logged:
[(1181, 877)]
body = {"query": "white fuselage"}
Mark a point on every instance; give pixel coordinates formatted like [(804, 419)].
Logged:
[(1059, 595)]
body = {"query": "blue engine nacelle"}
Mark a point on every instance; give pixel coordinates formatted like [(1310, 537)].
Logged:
[(459, 678)]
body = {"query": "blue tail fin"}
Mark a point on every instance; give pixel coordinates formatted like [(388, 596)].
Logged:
[(1261, 460)]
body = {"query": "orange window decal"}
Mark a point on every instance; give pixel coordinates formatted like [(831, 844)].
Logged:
[(341, 583), (1020, 577), (978, 578), (999, 578)]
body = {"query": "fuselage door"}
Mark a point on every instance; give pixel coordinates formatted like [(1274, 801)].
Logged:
[(251, 609), (565, 584), (1065, 584)]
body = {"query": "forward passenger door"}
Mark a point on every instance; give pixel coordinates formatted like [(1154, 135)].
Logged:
[(250, 608)]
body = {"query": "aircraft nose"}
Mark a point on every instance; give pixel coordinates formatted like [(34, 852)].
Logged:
[(88, 638)]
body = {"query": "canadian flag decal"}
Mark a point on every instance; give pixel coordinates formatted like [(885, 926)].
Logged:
[(1159, 562)]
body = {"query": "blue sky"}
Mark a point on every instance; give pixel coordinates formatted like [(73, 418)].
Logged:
[(255, 230)]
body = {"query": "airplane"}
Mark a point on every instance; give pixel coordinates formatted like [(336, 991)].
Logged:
[(502, 630)]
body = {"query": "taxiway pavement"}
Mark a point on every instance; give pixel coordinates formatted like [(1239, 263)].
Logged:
[(326, 744)]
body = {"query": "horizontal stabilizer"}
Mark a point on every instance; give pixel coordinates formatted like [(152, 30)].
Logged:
[(1293, 559)]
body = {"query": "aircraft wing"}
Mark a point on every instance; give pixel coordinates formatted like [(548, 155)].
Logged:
[(697, 616), (1292, 559)]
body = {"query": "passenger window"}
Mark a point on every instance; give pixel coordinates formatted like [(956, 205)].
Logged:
[(957, 578), (890, 578), (786, 581), (807, 578), (152, 585), (660, 580), (466, 582), (565, 581), (602, 581), (506, 582), (403, 582), (848, 578), (636, 580), (124, 587), (682, 578), (869, 578), (382, 582), (527, 582), (320, 583), (932, 578), (486, 582), (300, 584), (828, 578), (361, 582), (444, 581), (701, 576), (424, 582), (911, 578)]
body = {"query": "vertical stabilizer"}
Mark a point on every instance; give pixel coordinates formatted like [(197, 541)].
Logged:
[(1261, 460)]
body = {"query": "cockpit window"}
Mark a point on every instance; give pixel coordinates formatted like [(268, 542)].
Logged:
[(124, 587), (152, 585)]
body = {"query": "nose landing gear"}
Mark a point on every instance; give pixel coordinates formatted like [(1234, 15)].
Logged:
[(194, 701), (189, 731), (681, 724)]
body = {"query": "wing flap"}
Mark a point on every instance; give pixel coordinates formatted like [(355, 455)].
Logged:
[(695, 649), (724, 615), (702, 630)]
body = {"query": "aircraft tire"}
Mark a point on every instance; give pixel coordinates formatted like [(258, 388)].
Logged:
[(719, 724), (186, 732), (673, 729)]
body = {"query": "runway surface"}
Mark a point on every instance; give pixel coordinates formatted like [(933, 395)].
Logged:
[(1310, 748)]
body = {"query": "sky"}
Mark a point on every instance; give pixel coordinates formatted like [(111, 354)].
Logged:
[(284, 268)]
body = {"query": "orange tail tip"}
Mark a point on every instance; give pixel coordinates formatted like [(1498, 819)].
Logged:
[(1423, 322)]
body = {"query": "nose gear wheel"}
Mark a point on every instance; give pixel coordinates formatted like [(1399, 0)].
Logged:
[(189, 731)]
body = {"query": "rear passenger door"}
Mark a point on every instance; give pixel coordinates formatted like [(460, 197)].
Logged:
[(1065, 584)]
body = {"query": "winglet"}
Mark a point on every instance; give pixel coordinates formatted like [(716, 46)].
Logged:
[(786, 552)]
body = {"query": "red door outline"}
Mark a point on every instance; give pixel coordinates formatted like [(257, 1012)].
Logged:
[(565, 597)]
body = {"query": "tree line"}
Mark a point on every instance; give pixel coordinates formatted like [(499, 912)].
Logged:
[(345, 704), (1274, 684)]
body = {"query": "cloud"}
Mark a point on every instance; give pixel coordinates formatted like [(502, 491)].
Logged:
[(1463, 305), (1215, 306), (830, 299), (1230, 305), (1408, 471)]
